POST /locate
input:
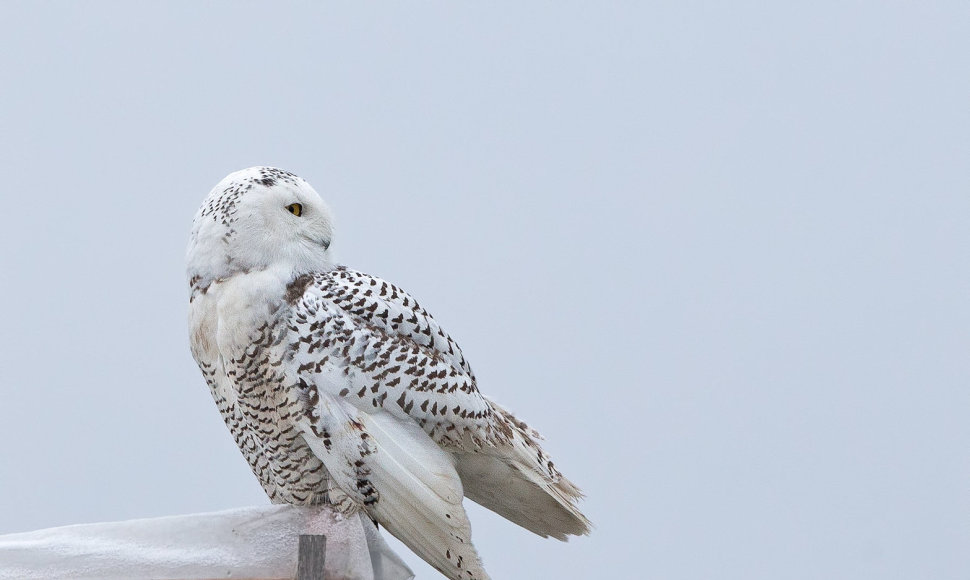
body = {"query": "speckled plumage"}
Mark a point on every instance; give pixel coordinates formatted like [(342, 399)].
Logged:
[(339, 388)]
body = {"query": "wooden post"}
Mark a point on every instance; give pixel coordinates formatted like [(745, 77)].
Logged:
[(312, 553)]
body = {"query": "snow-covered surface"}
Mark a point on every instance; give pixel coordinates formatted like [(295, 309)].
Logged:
[(244, 543)]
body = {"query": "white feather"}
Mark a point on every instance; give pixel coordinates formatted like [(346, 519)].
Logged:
[(339, 387), (419, 491)]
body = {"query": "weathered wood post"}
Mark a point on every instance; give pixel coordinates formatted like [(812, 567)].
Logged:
[(311, 557)]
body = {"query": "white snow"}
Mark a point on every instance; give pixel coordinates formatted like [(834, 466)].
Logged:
[(244, 543)]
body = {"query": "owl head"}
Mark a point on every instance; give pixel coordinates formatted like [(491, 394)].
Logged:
[(256, 219)]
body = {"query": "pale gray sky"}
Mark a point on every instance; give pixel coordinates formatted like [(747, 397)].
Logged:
[(716, 252)]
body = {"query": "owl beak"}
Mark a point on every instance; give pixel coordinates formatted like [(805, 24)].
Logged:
[(325, 242)]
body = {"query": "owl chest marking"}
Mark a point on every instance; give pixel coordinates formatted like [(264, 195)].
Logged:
[(249, 382)]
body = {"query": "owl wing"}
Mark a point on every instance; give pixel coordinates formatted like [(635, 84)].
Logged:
[(394, 413), (393, 355), (374, 412)]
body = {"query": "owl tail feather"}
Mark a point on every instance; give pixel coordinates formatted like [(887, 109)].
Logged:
[(402, 479), (519, 482)]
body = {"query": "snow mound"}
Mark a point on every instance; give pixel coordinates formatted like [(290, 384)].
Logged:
[(244, 543)]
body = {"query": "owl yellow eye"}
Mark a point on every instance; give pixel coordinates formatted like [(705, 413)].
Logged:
[(295, 209)]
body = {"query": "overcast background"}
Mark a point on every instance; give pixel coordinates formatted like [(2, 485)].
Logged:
[(717, 253)]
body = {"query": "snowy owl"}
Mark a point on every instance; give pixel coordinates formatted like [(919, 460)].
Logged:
[(340, 389)]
